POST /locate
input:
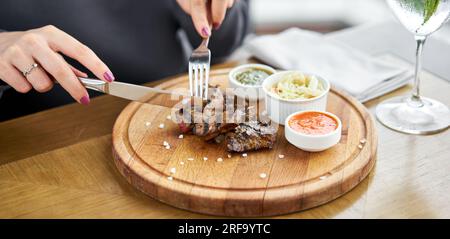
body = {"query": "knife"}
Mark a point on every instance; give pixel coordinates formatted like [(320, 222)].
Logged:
[(155, 96)]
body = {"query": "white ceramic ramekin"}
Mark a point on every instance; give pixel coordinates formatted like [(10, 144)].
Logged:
[(313, 143), (279, 109), (252, 92)]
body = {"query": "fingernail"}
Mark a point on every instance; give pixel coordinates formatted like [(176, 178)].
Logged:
[(216, 26), (85, 100), (108, 76), (206, 32), (82, 74)]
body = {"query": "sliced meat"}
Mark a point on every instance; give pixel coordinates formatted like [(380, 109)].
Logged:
[(213, 118), (251, 136)]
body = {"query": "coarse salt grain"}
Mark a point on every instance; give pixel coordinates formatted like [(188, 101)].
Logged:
[(205, 158), (229, 156), (180, 136), (173, 170), (170, 178), (363, 141), (219, 159), (167, 147), (281, 156), (360, 146), (244, 155), (191, 159), (262, 175), (147, 124), (161, 126), (322, 177), (165, 143), (169, 117), (182, 163)]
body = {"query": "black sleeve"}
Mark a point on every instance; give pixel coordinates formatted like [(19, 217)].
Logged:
[(224, 40), (3, 85)]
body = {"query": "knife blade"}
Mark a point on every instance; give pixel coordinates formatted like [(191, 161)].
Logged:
[(150, 95)]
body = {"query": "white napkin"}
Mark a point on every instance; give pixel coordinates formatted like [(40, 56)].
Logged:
[(349, 69)]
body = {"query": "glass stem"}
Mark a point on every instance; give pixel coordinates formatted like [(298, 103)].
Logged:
[(415, 98)]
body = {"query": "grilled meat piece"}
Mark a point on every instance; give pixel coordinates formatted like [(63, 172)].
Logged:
[(251, 136), (207, 120)]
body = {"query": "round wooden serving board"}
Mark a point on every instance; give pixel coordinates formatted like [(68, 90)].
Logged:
[(233, 187)]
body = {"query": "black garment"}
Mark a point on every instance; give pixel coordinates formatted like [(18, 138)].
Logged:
[(136, 39)]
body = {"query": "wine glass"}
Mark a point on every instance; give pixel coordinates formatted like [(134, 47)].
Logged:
[(417, 114)]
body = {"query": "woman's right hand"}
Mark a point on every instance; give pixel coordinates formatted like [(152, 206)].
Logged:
[(20, 50), (204, 13)]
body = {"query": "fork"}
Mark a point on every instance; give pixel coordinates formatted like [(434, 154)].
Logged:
[(199, 63)]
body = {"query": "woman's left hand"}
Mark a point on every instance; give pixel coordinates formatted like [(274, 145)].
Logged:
[(205, 13)]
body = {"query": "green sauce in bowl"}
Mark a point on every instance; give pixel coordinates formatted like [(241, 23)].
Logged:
[(252, 76)]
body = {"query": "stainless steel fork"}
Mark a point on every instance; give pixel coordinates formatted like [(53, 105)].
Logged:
[(199, 63)]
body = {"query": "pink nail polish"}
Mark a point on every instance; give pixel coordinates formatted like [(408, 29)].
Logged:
[(108, 76), (85, 100), (205, 31)]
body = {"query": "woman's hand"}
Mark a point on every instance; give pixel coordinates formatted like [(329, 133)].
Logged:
[(205, 13), (20, 50)]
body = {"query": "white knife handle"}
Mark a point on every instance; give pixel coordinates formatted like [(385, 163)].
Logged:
[(93, 84)]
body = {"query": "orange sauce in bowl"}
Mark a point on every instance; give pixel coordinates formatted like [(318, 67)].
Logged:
[(313, 123)]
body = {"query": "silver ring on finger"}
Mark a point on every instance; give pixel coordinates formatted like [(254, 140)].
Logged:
[(30, 69)]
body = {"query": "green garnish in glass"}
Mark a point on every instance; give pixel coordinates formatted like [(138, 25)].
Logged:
[(430, 9), (425, 7)]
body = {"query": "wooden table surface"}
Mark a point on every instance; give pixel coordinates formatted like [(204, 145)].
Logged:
[(58, 164)]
